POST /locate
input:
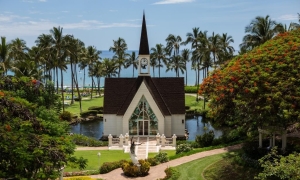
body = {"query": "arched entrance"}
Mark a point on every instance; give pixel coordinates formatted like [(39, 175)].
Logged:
[(143, 121)]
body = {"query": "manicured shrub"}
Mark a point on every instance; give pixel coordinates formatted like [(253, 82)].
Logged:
[(77, 99), (132, 170), (66, 116), (82, 140), (109, 166), (171, 174), (153, 161), (190, 89), (183, 148), (89, 113), (205, 139), (97, 108), (162, 157)]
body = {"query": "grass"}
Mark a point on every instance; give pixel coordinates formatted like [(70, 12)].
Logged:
[(93, 160), (193, 104), (194, 169), (226, 168), (85, 104)]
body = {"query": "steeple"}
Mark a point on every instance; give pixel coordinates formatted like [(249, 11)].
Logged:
[(144, 47)]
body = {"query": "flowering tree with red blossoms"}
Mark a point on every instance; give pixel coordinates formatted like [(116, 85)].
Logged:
[(260, 88)]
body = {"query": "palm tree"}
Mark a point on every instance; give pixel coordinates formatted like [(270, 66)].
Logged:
[(131, 60), (227, 50), (260, 30), (97, 71), (4, 59), (119, 48), (109, 67), (214, 46), (92, 55), (173, 44), (44, 45), (177, 64), (58, 45), (153, 64), (185, 58), (158, 54)]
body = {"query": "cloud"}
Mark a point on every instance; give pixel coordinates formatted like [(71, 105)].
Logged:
[(43, 0), (9, 18), (27, 1), (173, 1), (133, 20), (37, 27), (288, 17)]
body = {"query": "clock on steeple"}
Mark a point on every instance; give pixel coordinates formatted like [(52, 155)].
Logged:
[(144, 55)]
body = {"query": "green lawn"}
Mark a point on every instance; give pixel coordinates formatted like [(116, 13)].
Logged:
[(193, 170), (93, 160), (191, 101), (85, 103)]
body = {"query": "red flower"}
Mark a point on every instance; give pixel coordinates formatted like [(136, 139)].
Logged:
[(34, 81), (1, 93), (246, 90), (8, 128), (231, 90)]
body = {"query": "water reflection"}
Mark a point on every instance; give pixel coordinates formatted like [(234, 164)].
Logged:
[(193, 125), (91, 129)]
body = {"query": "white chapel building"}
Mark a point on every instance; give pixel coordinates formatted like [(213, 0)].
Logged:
[(144, 106)]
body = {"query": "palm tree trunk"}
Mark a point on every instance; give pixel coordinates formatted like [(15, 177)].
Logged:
[(119, 72), (83, 78), (72, 79), (92, 87), (203, 74), (198, 83), (132, 70), (159, 69), (62, 89), (78, 91), (185, 74), (98, 79), (57, 80)]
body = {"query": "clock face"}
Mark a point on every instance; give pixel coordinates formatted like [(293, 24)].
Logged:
[(144, 61)]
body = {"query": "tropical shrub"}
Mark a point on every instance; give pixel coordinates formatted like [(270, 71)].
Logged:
[(80, 178), (89, 113), (183, 148), (66, 116), (153, 161), (82, 140), (206, 139), (162, 157), (110, 166), (132, 170), (259, 88), (171, 174)]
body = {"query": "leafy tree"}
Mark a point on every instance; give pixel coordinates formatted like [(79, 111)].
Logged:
[(40, 145), (109, 67), (260, 88), (282, 167)]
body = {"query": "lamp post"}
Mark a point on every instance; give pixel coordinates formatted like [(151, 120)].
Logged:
[(99, 154)]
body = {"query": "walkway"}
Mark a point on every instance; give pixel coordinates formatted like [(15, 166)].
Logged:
[(157, 172)]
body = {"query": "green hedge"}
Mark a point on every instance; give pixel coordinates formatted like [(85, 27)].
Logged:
[(82, 140), (190, 89), (89, 112), (97, 108)]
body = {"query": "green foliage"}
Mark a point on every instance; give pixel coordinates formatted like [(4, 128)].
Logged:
[(190, 89), (89, 113), (171, 174), (206, 139), (183, 148), (132, 170), (161, 157), (153, 161), (66, 116), (109, 166), (82, 140), (282, 167), (97, 108), (259, 88)]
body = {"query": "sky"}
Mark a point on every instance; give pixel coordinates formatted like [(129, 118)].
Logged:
[(99, 22)]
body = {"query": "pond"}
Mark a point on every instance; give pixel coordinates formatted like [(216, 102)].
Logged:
[(193, 125)]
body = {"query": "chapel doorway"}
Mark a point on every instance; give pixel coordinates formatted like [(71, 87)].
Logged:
[(143, 127)]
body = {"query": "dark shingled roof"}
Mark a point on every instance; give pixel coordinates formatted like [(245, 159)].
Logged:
[(168, 94), (144, 47)]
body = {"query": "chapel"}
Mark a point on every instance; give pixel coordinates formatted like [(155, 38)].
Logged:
[(145, 105)]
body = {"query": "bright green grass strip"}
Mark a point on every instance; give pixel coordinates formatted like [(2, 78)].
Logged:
[(169, 152), (193, 104), (193, 170), (93, 160), (85, 103)]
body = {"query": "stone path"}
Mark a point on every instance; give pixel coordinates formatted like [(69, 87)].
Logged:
[(157, 172)]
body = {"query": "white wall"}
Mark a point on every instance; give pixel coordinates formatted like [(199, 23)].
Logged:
[(168, 126), (112, 124), (177, 126), (143, 90)]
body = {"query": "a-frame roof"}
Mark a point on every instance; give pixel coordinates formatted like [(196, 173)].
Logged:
[(168, 94)]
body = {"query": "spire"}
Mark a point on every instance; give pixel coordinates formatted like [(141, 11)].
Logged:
[(144, 47)]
